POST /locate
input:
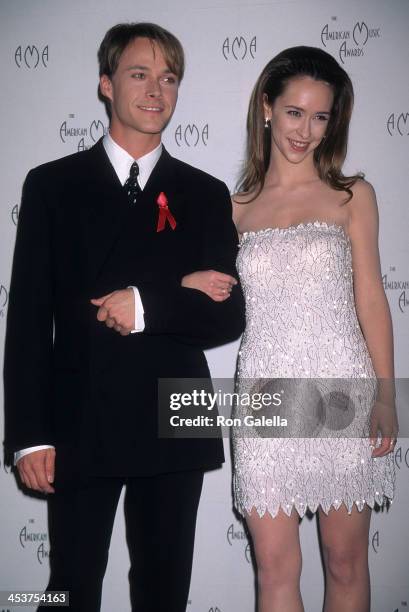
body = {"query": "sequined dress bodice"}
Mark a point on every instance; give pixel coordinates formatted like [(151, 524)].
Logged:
[(298, 287)]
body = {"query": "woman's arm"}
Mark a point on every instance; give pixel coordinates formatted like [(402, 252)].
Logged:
[(371, 304), (216, 285), (370, 299)]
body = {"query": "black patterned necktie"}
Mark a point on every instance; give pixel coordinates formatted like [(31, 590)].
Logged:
[(131, 186)]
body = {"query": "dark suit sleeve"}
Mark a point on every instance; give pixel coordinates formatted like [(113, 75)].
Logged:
[(188, 313), (29, 332)]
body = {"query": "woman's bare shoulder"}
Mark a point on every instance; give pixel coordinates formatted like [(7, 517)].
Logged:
[(239, 201), (363, 202), (363, 211), (363, 190)]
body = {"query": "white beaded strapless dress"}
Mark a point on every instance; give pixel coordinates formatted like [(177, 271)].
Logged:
[(303, 341)]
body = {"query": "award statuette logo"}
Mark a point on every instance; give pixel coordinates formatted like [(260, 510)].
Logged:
[(397, 124), (375, 542), (4, 297), (31, 56), (191, 135), (402, 457), (14, 214), (239, 48)]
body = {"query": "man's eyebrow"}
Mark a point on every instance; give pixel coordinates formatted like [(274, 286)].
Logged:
[(137, 67), (140, 67)]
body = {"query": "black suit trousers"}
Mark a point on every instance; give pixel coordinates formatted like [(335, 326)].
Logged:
[(160, 517)]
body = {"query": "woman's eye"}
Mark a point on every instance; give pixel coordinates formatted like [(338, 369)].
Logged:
[(322, 117), (138, 75), (294, 113), (170, 79)]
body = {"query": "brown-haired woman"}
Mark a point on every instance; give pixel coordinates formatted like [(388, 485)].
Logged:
[(324, 332)]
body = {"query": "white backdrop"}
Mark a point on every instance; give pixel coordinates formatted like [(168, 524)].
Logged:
[(50, 109)]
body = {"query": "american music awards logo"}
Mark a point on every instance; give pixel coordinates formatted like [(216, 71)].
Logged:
[(375, 542), (397, 287), (4, 298), (350, 42), (239, 48), (239, 535), (83, 136), (14, 214), (397, 124), (35, 541), (402, 458), (192, 135), (31, 56)]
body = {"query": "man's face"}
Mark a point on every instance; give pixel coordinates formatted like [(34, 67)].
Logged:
[(143, 91)]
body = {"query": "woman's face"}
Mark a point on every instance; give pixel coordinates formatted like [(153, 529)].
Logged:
[(299, 118)]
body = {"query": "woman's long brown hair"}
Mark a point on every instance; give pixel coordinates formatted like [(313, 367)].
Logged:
[(330, 154)]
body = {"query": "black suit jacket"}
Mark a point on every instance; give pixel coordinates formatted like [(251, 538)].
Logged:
[(69, 380)]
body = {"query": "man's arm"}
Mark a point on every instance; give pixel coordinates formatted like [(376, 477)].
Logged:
[(27, 451), (191, 314), (28, 370)]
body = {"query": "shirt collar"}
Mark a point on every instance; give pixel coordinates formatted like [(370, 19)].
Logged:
[(122, 161)]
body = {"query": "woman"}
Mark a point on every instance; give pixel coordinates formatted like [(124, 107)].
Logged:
[(325, 332), (304, 227)]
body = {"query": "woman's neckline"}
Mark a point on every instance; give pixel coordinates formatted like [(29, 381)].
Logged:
[(302, 225)]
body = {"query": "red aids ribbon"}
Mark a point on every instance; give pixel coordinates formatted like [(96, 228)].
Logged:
[(164, 213)]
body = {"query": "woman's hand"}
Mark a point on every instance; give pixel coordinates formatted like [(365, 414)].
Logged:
[(383, 422), (216, 285)]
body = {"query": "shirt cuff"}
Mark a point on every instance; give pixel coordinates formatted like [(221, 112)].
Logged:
[(26, 451), (139, 312)]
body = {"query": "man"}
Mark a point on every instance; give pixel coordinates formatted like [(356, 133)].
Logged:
[(103, 248)]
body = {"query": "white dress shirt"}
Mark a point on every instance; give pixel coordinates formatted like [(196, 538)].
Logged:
[(121, 162)]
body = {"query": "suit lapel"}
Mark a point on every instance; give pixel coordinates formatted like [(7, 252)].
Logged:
[(163, 179), (105, 208), (107, 205)]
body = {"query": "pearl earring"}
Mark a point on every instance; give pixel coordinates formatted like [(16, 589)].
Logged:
[(267, 123)]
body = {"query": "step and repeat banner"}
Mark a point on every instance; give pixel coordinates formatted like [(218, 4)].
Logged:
[(49, 104)]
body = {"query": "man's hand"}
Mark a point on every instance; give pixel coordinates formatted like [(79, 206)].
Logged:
[(36, 470), (117, 309), (216, 285)]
